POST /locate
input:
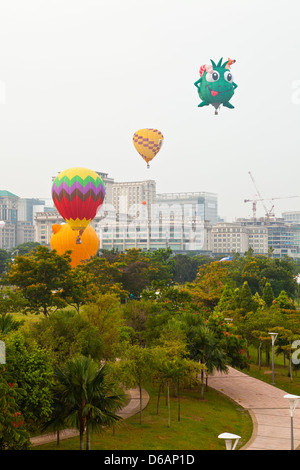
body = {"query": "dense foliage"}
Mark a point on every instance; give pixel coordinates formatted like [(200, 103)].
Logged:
[(156, 316)]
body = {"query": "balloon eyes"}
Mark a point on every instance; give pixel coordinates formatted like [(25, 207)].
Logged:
[(213, 77), (228, 76)]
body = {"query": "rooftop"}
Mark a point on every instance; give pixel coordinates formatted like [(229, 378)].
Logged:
[(4, 193)]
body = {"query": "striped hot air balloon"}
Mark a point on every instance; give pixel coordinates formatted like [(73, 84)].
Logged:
[(148, 143), (77, 194)]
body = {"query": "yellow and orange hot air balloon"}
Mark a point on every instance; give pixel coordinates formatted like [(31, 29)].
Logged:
[(148, 143), (64, 239)]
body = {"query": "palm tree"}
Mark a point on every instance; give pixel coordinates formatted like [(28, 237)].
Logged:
[(204, 346), (7, 323), (85, 397)]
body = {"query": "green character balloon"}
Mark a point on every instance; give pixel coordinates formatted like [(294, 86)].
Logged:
[(215, 85)]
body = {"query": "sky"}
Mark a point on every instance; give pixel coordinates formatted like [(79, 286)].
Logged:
[(79, 77)]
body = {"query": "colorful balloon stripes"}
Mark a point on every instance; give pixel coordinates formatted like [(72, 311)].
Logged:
[(77, 194)]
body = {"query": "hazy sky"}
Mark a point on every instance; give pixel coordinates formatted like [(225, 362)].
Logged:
[(81, 76)]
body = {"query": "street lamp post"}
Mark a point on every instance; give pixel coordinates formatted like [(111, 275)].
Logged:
[(2, 353), (273, 336), (229, 438), (293, 399)]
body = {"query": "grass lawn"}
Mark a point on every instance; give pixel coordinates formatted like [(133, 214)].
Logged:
[(201, 422), (281, 376)]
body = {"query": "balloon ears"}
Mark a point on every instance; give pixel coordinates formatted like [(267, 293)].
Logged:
[(56, 228)]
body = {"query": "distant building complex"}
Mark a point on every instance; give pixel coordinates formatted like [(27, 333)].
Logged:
[(134, 215), (17, 219)]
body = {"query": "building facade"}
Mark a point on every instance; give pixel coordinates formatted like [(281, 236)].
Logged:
[(27, 208), (43, 225), (238, 237), (121, 232), (190, 204), (134, 215), (292, 217), (128, 195)]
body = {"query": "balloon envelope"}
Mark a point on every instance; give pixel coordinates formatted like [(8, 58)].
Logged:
[(64, 239), (148, 143), (77, 194)]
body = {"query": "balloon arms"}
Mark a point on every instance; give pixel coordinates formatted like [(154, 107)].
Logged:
[(197, 83), (227, 104)]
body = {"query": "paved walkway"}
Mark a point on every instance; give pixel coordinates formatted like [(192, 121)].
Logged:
[(132, 408), (270, 412)]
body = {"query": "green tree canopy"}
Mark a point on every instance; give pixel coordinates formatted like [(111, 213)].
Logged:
[(30, 367), (64, 334), (13, 434), (40, 276), (268, 294)]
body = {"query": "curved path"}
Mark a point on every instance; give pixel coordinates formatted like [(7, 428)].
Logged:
[(270, 412), (132, 408)]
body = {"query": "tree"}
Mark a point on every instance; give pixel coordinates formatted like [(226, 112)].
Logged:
[(226, 333), (31, 369), (167, 303), (11, 300), (244, 299), (64, 334), (106, 275), (88, 400), (170, 362), (185, 267), (26, 247), (227, 299), (136, 314), (204, 346), (78, 288), (40, 276), (8, 323), (207, 288), (139, 269), (254, 326), (13, 434), (104, 313), (284, 302), (134, 368), (5, 259), (280, 273), (268, 294)]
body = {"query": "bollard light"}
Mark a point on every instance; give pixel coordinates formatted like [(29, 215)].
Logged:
[(231, 440)]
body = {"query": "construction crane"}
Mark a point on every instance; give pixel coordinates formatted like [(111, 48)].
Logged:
[(268, 212)]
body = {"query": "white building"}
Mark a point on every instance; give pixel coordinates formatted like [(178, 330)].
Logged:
[(238, 237), (292, 217), (191, 204), (128, 194), (122, 232)]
